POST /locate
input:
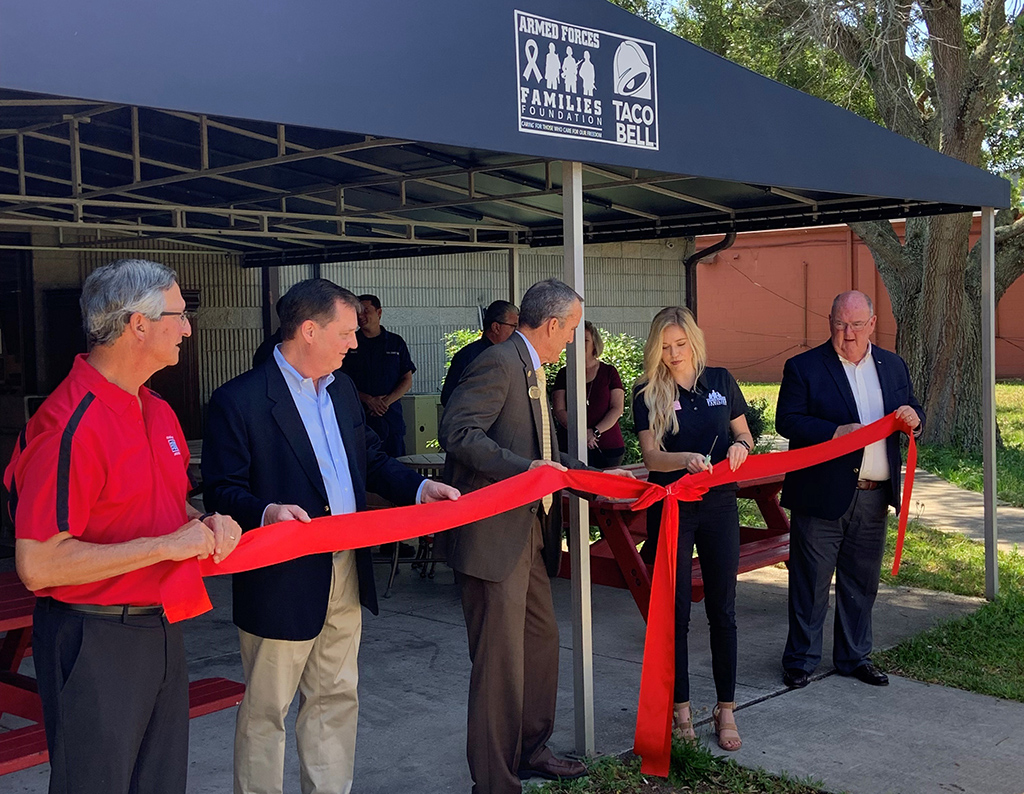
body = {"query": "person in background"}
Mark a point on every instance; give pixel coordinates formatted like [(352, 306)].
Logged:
[(500, 320), (605, 397), (381, 368), (691, 417)]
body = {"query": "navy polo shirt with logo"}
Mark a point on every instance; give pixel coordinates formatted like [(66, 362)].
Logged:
[(704, 415)]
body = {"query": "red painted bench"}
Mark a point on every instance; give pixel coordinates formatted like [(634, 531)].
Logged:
[(615, 561), (24, 747)]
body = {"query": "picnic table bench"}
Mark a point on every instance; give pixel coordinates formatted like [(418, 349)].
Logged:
[(26, 746), (615, 561)]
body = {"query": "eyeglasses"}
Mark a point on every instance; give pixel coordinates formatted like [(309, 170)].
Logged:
[(856, 327), (183, 317), (513, 326)]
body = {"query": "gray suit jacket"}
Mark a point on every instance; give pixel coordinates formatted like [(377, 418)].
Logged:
[(491, 431)]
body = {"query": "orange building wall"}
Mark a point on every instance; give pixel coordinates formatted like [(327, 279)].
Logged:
[(767, 298)]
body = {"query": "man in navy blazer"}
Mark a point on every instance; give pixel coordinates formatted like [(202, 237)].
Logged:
[(288, 440), (839, 508)]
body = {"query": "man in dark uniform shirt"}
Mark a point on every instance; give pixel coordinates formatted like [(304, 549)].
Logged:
[(382, 370), (500, 320)]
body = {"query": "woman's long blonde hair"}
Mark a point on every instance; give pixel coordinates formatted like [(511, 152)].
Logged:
[(659, 387)]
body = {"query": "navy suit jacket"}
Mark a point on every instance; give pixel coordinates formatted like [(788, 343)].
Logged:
[(815, 398), (257, 452)]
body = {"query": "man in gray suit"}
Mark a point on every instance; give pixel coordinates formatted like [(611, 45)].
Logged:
[(498, 424)]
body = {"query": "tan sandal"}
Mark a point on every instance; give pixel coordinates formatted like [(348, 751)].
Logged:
[(683, 731), (728, 735)]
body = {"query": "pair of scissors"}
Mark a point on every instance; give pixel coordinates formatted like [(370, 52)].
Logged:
[(707, 458)]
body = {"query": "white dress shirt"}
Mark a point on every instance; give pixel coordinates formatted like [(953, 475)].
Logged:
[(867, 392)]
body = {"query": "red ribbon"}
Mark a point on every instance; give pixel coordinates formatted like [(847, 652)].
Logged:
[(184, 595), (653, 739)]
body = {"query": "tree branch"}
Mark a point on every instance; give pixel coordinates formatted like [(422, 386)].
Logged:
[(881, 239)]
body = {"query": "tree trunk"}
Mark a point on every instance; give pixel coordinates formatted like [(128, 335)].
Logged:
[(950, 337)]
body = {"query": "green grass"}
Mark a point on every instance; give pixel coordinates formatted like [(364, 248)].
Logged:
[(966, 470), (982, 652), (695, 770), (948, 562), (951, 464)]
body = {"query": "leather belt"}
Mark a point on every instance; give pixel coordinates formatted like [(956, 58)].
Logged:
[(869, 485), (115, 610)]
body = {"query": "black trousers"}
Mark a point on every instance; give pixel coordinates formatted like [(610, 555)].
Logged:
[(851, 546), (713, 525), (115, 701), (605, 458)]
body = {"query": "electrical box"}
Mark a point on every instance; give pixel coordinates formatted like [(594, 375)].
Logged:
[(420, 412)]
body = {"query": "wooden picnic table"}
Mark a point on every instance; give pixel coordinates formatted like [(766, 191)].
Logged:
[(26, 746), (616, 562), (614, 559)]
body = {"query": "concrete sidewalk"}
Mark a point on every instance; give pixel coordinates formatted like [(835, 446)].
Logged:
[(415, 671), (939, 504)]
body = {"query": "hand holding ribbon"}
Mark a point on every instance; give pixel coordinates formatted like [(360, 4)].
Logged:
[(184, 596)]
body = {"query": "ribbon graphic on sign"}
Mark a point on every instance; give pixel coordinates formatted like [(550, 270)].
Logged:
[(531, 56), (184, 595)]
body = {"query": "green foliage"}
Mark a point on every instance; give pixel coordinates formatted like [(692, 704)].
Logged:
[(744, 32), (757, 410), (695, 770), (655, 11)]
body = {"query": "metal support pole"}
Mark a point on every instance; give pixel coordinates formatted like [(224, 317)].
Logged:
[(515, 286), (988, 395), (579, 512)]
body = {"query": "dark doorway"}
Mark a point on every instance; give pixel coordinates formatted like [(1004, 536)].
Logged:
[(65, 339)]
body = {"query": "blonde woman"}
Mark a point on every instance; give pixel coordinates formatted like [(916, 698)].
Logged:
[(691, 417)]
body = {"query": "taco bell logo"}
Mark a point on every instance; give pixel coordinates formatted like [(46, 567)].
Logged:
[(632, 71), (579, 82)]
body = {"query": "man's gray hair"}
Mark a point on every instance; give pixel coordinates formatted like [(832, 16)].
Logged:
[(113, 293), (547, 299)]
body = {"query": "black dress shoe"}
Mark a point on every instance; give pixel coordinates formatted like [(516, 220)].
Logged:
[(795, 679), (869, 674), (554, 768)]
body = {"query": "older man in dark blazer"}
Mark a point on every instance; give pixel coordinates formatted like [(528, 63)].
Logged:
[(498, 424), (839, 508), (288, 441)]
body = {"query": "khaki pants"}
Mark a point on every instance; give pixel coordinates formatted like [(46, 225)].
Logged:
[(324, 672)]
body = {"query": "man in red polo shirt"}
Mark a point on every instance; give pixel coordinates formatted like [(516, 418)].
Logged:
[(98, 489)]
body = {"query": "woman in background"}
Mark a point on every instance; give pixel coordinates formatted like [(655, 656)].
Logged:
[(689, 418), (605, 400)]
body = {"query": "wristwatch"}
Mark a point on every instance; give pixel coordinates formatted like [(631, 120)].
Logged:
[(744, 443), (596, 432)]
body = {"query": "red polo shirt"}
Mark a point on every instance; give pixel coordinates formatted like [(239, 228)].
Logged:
[(93, 463)]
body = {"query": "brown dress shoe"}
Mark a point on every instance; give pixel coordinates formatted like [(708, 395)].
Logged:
[(554, 768)]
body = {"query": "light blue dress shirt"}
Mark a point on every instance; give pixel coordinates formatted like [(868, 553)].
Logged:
[(533, 353), (316, 409)]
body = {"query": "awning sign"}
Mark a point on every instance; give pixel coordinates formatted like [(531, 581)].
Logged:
[(577, 82)]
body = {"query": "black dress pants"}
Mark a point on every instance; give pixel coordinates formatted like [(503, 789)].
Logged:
[(712, 524), (115, 701), (852, 547)]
